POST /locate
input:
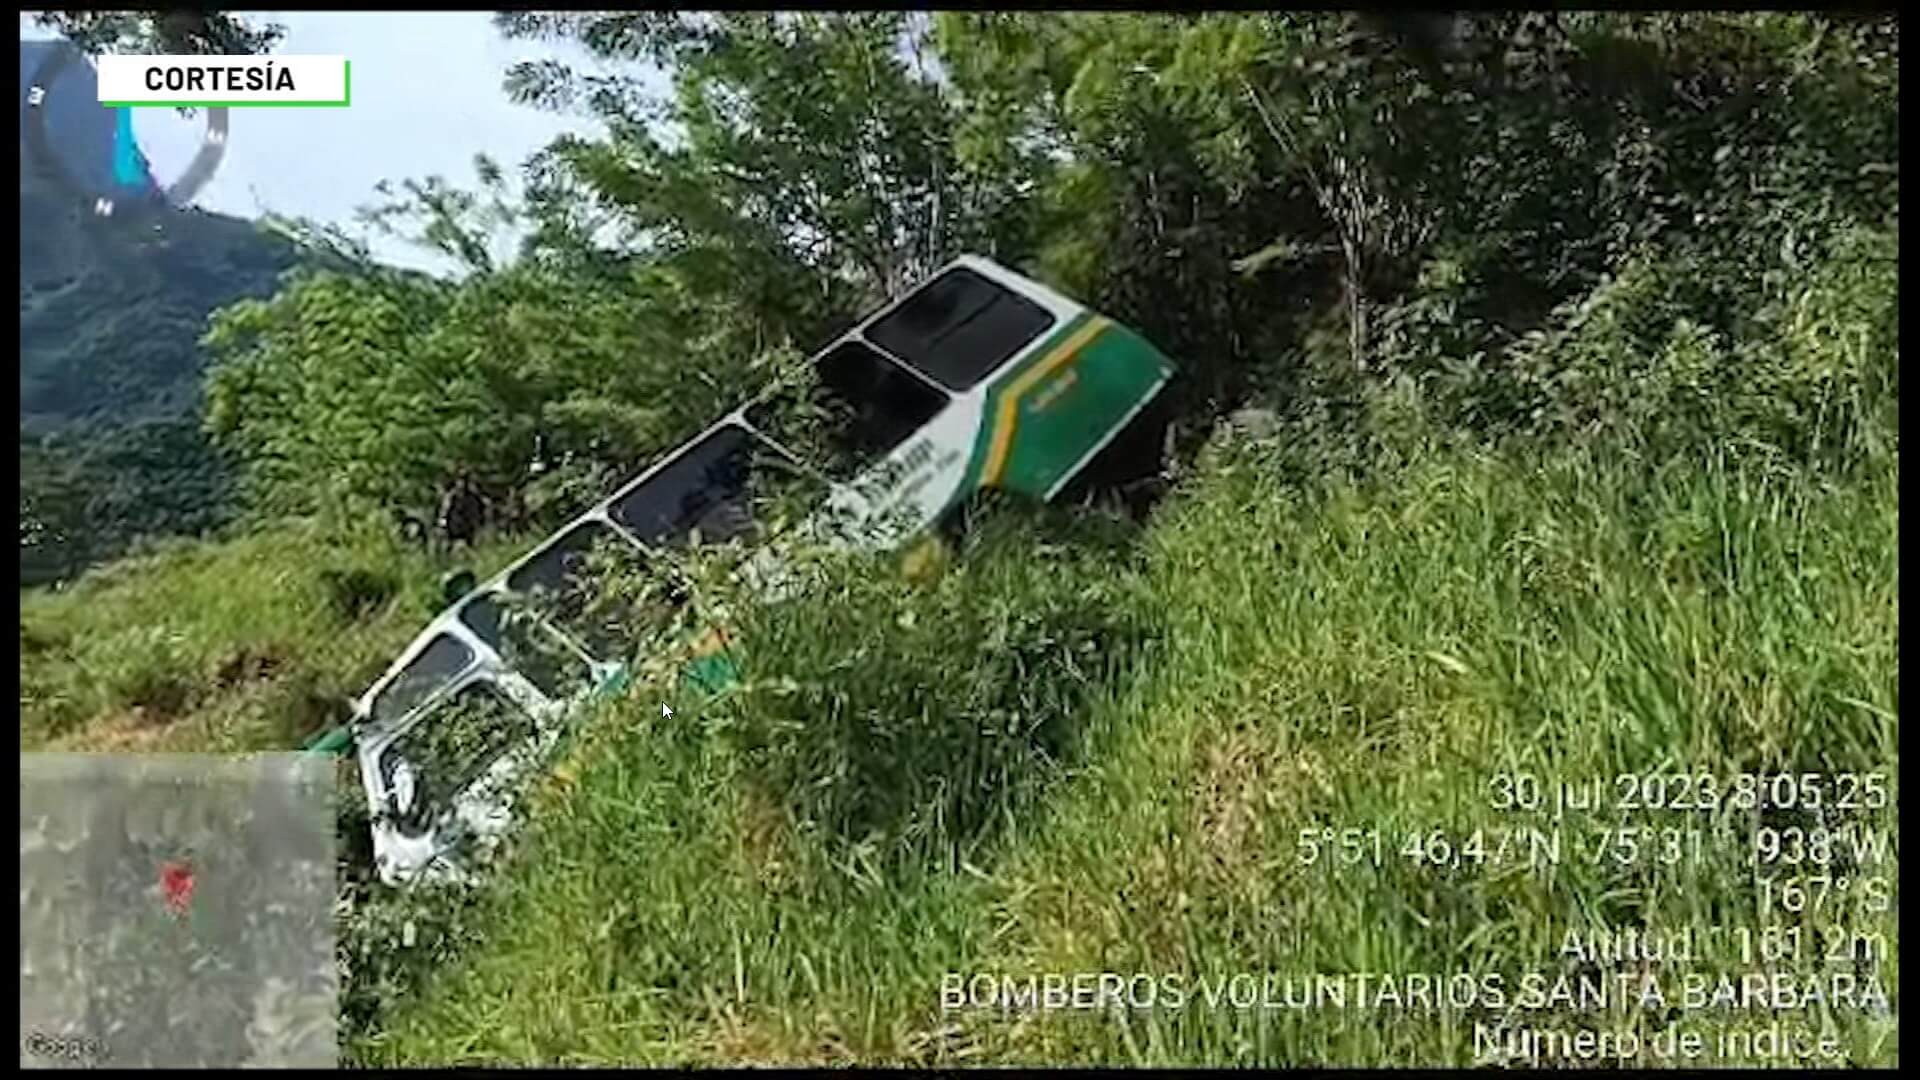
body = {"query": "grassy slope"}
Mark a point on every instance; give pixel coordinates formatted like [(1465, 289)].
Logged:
[(247, 644), (1363, 655), (1337, 653)]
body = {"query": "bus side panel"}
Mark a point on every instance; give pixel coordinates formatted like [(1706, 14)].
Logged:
[(1044, 419)]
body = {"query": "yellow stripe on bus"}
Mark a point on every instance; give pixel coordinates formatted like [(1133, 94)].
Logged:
[(1010, 401)]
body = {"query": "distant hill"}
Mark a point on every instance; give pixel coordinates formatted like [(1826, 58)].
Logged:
[(111, 312)]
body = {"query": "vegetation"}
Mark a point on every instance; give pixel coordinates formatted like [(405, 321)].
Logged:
[(1582, 333), (110, 364), (91, 489), (521, 382), (252, 643), (1093, 759), (193, 32)]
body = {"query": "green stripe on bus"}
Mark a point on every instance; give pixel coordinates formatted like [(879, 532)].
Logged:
[(990, 410), (1069, 411), (334, 740)]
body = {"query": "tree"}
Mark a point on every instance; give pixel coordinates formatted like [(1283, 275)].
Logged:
[(199, 33), (535, 383), (1215, 181), (1151, 172), (798, 147)]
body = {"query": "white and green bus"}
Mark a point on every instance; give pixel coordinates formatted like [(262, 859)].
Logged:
[(978, 379)]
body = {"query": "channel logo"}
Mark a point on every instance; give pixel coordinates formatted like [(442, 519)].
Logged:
[(225, 81)]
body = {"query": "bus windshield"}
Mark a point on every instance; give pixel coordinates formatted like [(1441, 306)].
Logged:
[(527, 645), (449, 749)]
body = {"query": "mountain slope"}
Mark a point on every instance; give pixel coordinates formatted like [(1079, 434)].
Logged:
[(111, 312)]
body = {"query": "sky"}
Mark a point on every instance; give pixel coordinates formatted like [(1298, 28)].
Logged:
[(426, 97)]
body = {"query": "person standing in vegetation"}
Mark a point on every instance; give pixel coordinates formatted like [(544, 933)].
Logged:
[(462, 511)]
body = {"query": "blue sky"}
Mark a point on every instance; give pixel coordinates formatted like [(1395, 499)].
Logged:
[(426, 98)]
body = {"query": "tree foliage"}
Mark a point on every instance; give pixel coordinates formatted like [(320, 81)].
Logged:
[(1496, 164), (200, 33), (806, 147), (90, 491), (374, 389), (1299, 205)]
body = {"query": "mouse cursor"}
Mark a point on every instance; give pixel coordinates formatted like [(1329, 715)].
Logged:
[(666, 711)]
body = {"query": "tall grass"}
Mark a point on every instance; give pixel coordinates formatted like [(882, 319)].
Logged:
[(1091, 748), (1366, 655), (248, 644), (920, 782)]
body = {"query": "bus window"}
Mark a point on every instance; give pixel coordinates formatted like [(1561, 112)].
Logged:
[(561, 580), (527, 646), (862, 405), (448, 750), (720, 487), (958, 328), (436, 665)]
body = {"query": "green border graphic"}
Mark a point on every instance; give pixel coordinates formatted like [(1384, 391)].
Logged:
[(347, 90)]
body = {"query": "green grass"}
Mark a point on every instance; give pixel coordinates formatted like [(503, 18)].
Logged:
[(1089, 748), (1361, 654), (248, 644), (919, 783)]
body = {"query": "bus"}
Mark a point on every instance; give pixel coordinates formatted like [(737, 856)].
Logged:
[(978, 379)]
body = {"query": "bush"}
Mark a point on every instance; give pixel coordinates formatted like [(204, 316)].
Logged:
[(159, 694), (907, 718), (150, 671), (356, 591), (390, 941), (1788, 373)]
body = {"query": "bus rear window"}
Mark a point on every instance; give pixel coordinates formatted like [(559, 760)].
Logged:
[(443, 658), (959, 327), (860, 407), (722, 487)]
